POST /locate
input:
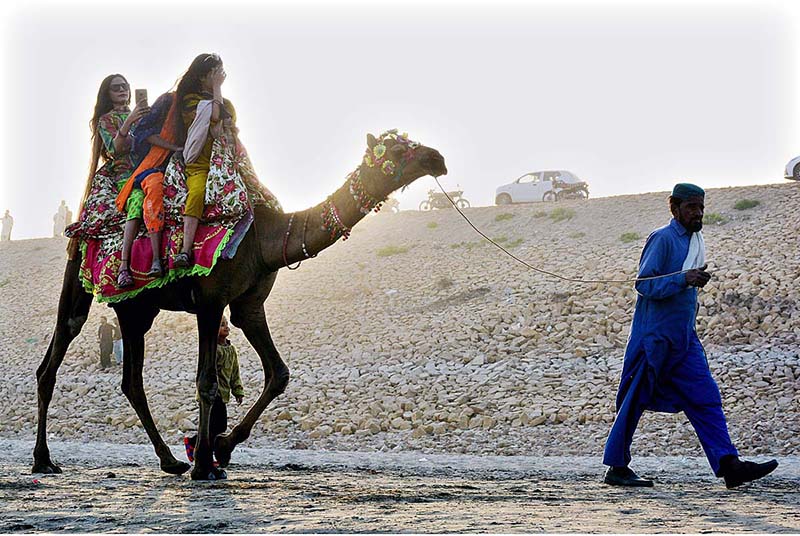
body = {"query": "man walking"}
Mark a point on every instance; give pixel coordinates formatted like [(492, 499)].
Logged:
[(665, 367)]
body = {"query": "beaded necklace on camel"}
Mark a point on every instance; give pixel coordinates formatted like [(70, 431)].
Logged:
[(376, 157)]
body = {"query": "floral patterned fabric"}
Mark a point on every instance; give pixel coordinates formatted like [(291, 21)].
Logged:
[(107, 128), (231, 192), (121, 165), (98, 217)]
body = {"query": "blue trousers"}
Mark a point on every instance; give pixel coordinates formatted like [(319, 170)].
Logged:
[(685, 382)]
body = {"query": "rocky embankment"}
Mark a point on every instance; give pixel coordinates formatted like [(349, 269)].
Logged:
[(416, 334)]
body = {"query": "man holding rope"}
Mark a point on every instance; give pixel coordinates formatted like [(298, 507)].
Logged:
[(665, 367)]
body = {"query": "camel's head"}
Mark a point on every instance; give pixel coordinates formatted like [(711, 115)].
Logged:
[(393, 161)]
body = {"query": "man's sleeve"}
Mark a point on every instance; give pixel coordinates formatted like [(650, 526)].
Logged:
[(654, 261), (236, 379)]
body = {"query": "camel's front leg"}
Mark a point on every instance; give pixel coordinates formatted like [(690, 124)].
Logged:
[(208, 320), (253, 322), (135, 320), (73, 309)]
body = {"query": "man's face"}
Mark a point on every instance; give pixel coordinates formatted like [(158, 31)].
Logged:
[(690, 213)]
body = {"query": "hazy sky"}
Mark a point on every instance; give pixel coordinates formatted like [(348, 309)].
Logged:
[(629, 96)]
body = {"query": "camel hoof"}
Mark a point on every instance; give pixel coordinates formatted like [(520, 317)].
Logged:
[(47, 468), (214, 473), (175, 467), (222, 451)]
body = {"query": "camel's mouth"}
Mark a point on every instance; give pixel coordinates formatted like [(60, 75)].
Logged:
[(434, 164)]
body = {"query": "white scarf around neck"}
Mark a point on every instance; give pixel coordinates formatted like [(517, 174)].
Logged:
[(696, 257)]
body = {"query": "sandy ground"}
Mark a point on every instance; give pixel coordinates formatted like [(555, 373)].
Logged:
[(118, 488)]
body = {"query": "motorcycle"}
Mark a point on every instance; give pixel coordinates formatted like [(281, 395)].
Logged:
[(439, 200), (392, 204), (574, 190)]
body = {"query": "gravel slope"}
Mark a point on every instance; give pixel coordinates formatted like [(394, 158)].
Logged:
[(449, 346)]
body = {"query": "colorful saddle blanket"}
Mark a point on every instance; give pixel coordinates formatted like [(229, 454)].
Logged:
[(232, 190)]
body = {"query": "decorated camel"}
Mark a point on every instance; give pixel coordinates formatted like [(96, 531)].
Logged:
[(243, 283)]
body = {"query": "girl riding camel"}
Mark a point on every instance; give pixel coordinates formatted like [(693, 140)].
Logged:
[(198, 93), (153, 145), (111, 126)]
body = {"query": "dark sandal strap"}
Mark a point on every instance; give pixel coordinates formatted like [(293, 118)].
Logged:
[(125, 278)]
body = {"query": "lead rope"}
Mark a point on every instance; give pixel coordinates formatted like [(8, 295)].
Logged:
[(541, 271)]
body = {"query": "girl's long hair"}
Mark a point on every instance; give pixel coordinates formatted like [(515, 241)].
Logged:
[(190, 83), (101, 107)]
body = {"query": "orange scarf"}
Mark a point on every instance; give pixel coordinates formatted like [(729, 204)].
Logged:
[(155, 157)]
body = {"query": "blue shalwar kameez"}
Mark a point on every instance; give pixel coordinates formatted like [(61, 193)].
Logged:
[(665, 367)]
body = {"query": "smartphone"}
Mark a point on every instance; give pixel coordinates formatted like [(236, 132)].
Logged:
[(141, 97)]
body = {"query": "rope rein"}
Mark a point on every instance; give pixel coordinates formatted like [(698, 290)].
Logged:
[(545, 272), (286, 243), (303, 243)]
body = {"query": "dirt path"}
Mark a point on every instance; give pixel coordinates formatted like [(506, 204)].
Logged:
[(364, 492)]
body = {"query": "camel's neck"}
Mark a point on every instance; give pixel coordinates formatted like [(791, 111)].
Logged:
[(318, 227)]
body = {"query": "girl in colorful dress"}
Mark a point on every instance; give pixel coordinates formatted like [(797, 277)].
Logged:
[(152, 153), (201, 82), (111, 140)]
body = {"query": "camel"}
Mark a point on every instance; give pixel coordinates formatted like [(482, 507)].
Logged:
[(243, 283)]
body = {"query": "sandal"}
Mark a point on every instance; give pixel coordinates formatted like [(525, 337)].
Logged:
[(124, 278), (183, 260), (155, 269)]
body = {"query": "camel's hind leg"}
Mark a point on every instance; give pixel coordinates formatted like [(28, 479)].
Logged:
[(253, 322), (135, 320), (73, 309)]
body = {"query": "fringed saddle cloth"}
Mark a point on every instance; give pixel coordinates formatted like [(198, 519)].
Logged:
[(232, 190)]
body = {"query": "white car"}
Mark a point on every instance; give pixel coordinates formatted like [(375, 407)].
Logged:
[(792, 170), (542, 186)]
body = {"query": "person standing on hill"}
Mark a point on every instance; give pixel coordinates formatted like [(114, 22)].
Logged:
[(8, 224), (665, 367), (60, 219), (117, 342), (105, 335)]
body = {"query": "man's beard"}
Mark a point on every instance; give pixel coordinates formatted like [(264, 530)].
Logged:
[(695, 227)]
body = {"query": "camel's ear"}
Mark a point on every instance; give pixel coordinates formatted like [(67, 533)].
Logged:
[(371, 141)]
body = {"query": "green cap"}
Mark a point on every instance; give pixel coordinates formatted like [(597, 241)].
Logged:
[(684, 190)]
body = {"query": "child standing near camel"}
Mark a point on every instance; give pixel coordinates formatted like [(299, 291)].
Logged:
[(229, 383)]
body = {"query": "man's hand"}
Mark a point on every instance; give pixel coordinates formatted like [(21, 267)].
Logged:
[(239, 399), (698, 277)]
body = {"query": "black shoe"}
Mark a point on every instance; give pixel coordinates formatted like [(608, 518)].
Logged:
[(623, 476), (737, 472)]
